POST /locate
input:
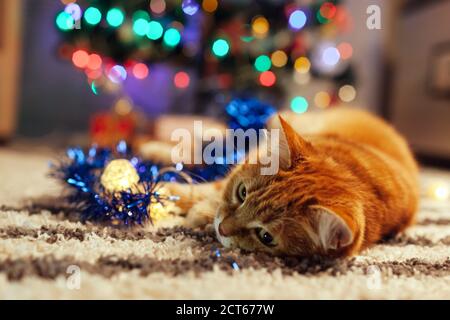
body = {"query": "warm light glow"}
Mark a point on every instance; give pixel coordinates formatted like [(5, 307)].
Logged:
[(267, 78), (328, 10), (440, 191), (210, 5), (95, 62), (345, 50), (80, 59), (260, 26), (302, 65), (279, 58), (347, 93), (182, 80), (322, 99), (119, 175), (123, 107), (140, 71), (157, 6)]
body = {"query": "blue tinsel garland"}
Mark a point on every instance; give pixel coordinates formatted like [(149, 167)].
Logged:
[(82, 171)]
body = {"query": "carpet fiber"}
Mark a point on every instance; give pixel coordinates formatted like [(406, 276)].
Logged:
[(46, 253)]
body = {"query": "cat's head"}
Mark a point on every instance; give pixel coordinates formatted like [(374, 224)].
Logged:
[(311, 206)]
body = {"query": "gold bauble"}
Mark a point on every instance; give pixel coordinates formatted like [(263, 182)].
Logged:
[(119, 175)]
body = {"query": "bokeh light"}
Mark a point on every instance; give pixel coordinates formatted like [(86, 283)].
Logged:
[(181, 80), (263, 63), (297, 19), (345, 50), (92, 16), (327, 10), (331, 56), (80, 59), (172, 37), (117, 74), (190, 7), (322, 99), (260, 26), (141, 27), (140, 71), (347, 93), (158, 6), (220, 48), (95, 62), (210, 5), (299, 104), (65, 22), (115, 17), (302, 65), (155, 30), (279, 58), (267, 78)]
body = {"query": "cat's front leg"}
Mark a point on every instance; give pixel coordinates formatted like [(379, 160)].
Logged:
[(197, 202)]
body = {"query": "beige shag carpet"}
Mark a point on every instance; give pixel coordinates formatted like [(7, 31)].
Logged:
[(47, 254)]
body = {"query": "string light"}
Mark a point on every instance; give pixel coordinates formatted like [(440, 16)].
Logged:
[(322, 99), (140, 71), (115, 17), (80, 59), (220, 48), (279, 58), (297, 19), (267, 78), (210, 5), (260, 26), (181, 80), (302, 65), (141, 14), (190, 7), (299, 104), (172, 37), (347, 93), (155, 30), (263, 63), (92, 16)]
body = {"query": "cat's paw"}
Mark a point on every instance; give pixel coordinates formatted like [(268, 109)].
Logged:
[(200, 214)]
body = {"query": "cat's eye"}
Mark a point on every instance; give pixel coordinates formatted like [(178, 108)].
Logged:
[(265, 237), (241, 192)]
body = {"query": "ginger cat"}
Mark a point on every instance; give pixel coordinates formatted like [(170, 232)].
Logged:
[(346, 180)]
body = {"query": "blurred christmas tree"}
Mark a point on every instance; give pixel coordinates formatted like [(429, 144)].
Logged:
[(219, 49)]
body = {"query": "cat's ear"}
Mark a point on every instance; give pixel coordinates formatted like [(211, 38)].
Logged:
[(292, 146), (332, 232)]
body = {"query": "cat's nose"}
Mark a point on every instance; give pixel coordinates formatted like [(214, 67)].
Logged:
[(222, 231)]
